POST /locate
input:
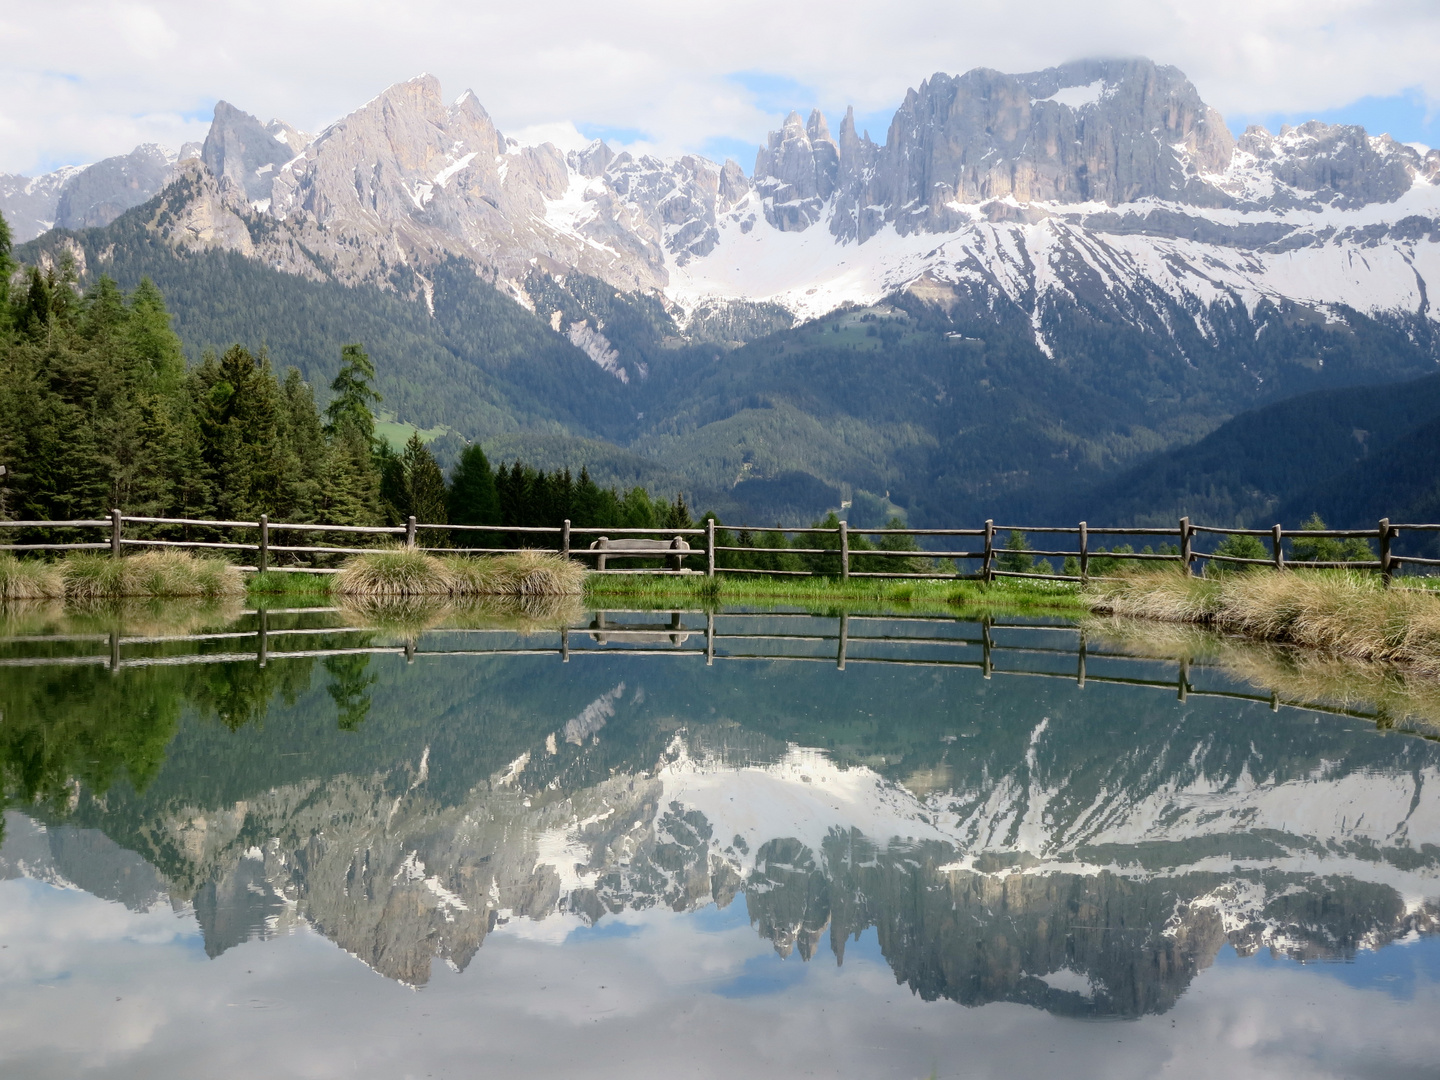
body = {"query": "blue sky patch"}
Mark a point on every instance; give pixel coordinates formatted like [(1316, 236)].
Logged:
[(765, 974), (722, 147), (613, 135), (1395, 969), (604, 930), (1406, 117)]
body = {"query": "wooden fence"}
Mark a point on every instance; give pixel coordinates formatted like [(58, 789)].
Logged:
[(256, 538)]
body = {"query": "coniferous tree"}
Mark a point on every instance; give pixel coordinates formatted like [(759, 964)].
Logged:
[(7, 269), (1014, 558), (414, 485), (354, 392), (97, 410), (473, 499)]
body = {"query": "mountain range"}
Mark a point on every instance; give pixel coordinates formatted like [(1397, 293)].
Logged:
[(1031, 284)]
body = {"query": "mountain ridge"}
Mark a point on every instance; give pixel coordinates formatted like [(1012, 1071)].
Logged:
[(1126, 273)]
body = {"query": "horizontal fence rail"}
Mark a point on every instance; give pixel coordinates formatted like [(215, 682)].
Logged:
[(835, 556), (721, 637)]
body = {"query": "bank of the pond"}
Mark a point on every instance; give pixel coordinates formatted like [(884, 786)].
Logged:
[(1011, 594), (1347, 613), (660, 589)]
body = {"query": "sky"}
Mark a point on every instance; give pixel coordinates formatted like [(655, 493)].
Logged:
[(84, 79), (644, 994)]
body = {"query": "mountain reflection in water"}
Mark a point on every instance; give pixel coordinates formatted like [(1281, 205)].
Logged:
[(1082, 844)]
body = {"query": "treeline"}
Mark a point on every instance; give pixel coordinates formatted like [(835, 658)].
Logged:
[(98, 409)]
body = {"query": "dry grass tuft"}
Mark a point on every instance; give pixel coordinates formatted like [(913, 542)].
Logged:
[(146, 616), (524, 573), (411, 616), (1397, 692), (1344, 612), (91, 576), (394, 571), (28, 579), (406, 572)]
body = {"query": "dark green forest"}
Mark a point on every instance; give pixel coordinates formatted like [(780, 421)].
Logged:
[(99, 409), (1352, 456)]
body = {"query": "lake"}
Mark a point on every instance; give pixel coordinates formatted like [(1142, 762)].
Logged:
[(441, 843)]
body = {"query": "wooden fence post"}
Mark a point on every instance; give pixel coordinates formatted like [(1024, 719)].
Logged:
[(1080, 672), (1084, 562), (565, 538), (844, 639), (844, 556), (410, 531), (985, 665), (262, 654), (1186, 557), (1385, 570), (564, 644), (1184, 679), (988, 571), (710, 636), (1278, 554), (114, 534), (709, 548), (262, 559)]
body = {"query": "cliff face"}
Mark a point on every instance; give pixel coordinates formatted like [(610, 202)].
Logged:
[(1094, 131)]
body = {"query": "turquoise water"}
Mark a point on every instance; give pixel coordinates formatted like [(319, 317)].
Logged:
[(689, 845)]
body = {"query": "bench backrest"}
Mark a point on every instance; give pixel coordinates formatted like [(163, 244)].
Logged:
[(628, 544)]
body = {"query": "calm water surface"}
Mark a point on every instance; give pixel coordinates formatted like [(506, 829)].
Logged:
[(691, 845)]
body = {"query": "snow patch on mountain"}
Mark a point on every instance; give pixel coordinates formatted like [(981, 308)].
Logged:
[(1077, 97)]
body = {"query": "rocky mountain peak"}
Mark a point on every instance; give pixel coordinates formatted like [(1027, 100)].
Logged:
[(105, 190), (1335, 162), (246, 151), (796, 173)]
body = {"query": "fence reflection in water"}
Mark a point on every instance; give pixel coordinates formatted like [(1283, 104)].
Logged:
[(1033, 649)]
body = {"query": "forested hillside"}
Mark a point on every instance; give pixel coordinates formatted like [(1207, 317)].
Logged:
[(1352, 455)]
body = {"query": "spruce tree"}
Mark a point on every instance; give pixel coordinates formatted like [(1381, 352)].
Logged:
[(473, 499), (423, 485), (1014, 558), (354, 392), (7, 268)]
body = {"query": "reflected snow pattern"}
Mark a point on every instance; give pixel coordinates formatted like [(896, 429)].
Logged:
[(903, 796)]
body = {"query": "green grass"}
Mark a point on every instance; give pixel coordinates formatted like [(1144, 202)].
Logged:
[(293, 586), (397, 433), (661, 589), (931, 593)]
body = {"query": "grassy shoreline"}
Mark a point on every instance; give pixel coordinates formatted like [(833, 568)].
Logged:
[(1342, 613), (659, 590)]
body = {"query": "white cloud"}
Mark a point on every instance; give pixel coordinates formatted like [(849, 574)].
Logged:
[(694, 995), (87, 78)]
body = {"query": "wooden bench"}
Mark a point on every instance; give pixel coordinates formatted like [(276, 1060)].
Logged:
[(604, 630), (627, 548)]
